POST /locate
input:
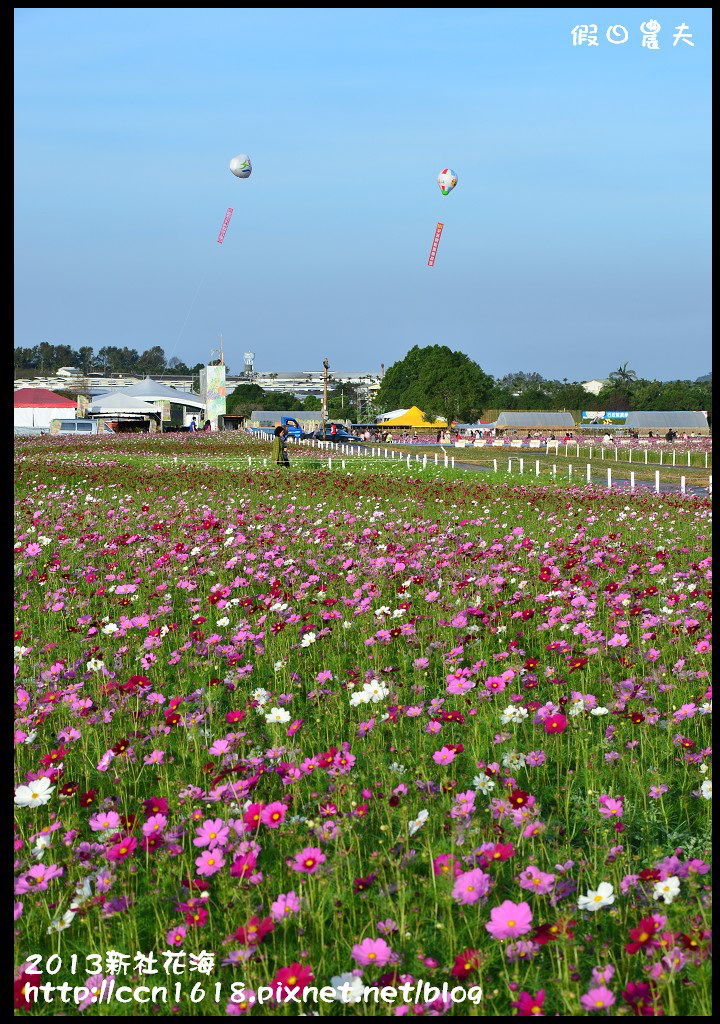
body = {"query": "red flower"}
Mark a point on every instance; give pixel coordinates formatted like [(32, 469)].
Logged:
[(465, 963), (287, 979), (530, 1006), (642, 936), (518, 798), (19, 986), (254, 931), (555, 723)]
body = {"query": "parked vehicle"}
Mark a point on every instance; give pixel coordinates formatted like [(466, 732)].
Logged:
[(80, 426), (341, 435), (293, 428)]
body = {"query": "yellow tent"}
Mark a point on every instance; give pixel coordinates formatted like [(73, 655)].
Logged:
[(413, 417)]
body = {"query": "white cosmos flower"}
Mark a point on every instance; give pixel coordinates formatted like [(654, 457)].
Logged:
[(224, 621), (706, 789), (260, 695), (61, 923), (348, 988), (599, 711), (513, 713), (603, 896), (375, 690), (668, 889), (277, 715), (359, 697), (35, 794), (418, 823), (308, 638), (483, 783)]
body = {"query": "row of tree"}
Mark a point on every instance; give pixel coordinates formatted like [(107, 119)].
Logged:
[(452, 386), (47, 359), (344, 402)]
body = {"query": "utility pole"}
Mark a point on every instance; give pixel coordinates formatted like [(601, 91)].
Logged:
[(326, 367)]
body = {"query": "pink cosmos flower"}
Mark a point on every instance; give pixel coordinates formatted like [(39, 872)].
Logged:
[(273, 814), (535, 880), (470, 886), (597, 999), (286, 904), (154, 825), (369, 952), (509, 920), (211, 833), (105, 821), (209, 862), (444, 756), (175, 936), (307, 861), (611, 808), (122, 850)]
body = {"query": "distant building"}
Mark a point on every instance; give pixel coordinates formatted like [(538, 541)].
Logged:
[(36, 407), (594, 387)]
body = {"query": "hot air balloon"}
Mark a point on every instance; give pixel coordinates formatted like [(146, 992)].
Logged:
[(447, 180), (241, 167)]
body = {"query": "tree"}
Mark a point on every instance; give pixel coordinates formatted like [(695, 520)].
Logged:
[(440, 382), (151, 361), (312, 404), (245, 398), (623, 377)]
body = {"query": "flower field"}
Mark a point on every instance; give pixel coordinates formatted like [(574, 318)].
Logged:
[(362, 742)]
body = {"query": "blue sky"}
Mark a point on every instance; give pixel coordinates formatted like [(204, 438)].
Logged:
[(577, 237)]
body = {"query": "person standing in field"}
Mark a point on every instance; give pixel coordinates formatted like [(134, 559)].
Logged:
[(279, 450)]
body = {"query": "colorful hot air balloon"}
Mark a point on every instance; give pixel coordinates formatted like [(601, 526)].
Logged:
[(241, 167), (447, 180)]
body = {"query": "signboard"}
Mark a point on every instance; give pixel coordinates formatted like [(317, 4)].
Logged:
[(604, 416), (213, 392)]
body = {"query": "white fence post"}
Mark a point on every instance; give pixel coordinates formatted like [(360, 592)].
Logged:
[(646, 451), (682, 484), (673, 456), (688, 457), (522, 461), (446, 461), (452, 460), (436, 458), (495, 465), (588, 474), (330, 463), (609, 478), (657, 481), (602, 453), (537, 467), (570, 471), (509, 465), (617, 449), (630, 455), (408, 462), (661, 455), (632, 481), (424, 461)]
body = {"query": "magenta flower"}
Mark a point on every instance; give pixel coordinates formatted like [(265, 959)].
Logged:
[(371, 952), (555, 723), (509, 920), (597, 999), (444, 756), (307, 861), (611, 808), (122, 850), (273, 814), (470, 886)]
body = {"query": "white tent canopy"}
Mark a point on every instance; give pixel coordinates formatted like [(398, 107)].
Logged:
[(119, 403)]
